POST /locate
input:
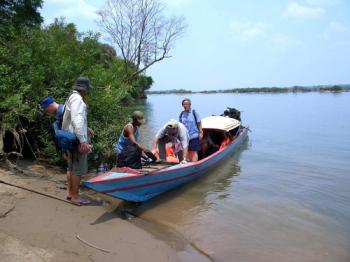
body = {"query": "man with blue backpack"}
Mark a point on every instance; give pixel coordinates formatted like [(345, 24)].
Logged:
[(50, 106)]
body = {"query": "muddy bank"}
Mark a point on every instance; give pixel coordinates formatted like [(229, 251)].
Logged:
[(37, 228)]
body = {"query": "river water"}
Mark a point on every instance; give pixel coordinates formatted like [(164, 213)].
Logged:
[(285, 196)]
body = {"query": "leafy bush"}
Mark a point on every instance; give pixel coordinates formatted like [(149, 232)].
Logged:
[(39, 62)]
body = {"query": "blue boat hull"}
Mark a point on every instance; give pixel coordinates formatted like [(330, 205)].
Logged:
[(139, 188)]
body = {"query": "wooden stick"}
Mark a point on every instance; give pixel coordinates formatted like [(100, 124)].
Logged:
[(91, 245), (39, 193)]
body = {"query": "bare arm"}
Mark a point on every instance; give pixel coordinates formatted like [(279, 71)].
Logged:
[(184, 153), (200, 130), (129, 130)]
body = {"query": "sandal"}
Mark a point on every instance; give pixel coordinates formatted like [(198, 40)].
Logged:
[(81, 201)]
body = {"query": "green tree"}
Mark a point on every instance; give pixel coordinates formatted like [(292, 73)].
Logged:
[(36, 62), (20, 13), (141, 32)]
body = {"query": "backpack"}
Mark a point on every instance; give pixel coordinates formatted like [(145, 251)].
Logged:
[(232, 113), (59, 116), (64, 140), (194, 115), (130, 157)]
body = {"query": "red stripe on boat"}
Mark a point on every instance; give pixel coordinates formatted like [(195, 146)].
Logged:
[(151, 184)]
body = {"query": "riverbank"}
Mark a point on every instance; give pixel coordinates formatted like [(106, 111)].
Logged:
[(37, 228), (263, 90)]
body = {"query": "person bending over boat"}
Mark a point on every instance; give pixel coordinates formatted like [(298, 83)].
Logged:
[(127, 148), (176, 133), (191, 120)]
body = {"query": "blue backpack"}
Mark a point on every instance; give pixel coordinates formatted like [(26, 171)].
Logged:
[(64, 140)]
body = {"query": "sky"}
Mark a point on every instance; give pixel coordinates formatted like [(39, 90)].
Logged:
[(233, 44)]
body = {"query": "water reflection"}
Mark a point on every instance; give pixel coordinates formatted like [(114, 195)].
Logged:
[(196, 196), (284, 199)]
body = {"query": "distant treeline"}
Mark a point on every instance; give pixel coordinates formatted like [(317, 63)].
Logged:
[(294, 89)]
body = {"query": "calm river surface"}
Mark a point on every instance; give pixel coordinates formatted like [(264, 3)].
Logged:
[(284, 197)]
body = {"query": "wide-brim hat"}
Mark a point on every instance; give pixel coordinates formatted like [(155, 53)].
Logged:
[(82, 84), (138, 115)]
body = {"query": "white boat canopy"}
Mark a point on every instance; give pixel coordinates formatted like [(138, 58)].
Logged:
[(219, 123)]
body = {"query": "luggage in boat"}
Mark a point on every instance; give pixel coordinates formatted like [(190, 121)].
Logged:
[(130, 157), (232, 113)]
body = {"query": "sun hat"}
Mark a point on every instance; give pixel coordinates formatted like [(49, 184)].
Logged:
[(138, 115), (82, 84), (46, 102)]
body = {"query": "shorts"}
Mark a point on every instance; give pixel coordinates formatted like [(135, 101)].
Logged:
[(77, 163), (194, 144)]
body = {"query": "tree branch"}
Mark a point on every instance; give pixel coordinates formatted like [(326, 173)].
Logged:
[(140, 33)]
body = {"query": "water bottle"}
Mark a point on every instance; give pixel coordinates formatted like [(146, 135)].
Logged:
[(101, 169)]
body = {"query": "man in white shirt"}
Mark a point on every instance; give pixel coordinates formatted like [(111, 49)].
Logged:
[(173, 131), (75, 121)]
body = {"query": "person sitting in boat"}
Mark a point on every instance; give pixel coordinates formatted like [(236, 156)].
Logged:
[(208, 147), (191, 120), (127, 142), (226, 140), (176, 133)]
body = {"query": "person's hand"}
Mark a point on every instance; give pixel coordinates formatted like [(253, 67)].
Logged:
[(90, 132), (85, 148), (183, 161), (200, 135)]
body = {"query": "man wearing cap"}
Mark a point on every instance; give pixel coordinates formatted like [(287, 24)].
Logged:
[(50, 106), (130, 133), (75, 121), (173, 131)]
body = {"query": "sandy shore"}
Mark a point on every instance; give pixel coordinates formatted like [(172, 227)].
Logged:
[(37, 228)]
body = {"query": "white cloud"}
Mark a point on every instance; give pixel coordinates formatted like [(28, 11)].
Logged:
[(73, 9), (297, 10), (325, 3), (245, 30), (335, 29)]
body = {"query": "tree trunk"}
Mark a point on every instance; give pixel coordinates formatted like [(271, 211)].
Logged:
[(2, 132)]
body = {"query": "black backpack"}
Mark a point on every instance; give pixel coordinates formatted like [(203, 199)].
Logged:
[(130, 157), (232, 113)]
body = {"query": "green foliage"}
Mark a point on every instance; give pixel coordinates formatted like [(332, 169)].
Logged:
[(35, 63), (19, 13), (335, 88), (141, 84), (294, 89)]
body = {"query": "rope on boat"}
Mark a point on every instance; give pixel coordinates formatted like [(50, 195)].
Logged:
[(91, 245)]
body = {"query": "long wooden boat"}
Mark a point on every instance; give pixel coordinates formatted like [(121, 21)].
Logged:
[(143, 184)]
